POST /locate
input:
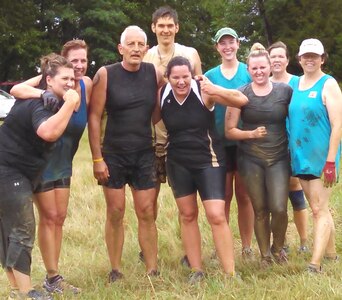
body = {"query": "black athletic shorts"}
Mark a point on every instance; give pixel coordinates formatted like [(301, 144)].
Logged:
[(50, 185), (231, 158), (135, 168), (209, 182), (307, 177)]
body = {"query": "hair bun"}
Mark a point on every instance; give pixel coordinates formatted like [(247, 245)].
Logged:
[(257, 47)]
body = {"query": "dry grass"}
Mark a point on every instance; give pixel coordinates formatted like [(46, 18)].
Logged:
[(84, 260)]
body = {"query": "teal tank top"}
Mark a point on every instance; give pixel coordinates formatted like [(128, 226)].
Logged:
[(240, 79), (309, 130)]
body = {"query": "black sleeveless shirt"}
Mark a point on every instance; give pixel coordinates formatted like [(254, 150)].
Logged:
[(131, 98), (192, 135)]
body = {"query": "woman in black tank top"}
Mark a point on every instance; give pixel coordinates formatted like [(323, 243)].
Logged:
[(195, 159)]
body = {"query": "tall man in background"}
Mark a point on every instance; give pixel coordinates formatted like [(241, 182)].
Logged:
[(165, 25)]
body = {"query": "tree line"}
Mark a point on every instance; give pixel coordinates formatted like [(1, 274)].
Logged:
[(32, 28)]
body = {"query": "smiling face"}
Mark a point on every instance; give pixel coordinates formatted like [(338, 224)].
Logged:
[(259, 69), (165, 30), (180, 80), (61, 82), (78, 58), (311, 62), (279, 60), (133, 49), (228, 46)]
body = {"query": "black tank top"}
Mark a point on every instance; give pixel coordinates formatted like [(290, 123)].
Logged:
[(131, 98), (193, 140)]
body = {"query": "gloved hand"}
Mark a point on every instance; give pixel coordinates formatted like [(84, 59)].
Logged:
[(51, 102), (329, 174)]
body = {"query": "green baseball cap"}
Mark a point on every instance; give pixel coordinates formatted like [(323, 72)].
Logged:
[(225, 31)]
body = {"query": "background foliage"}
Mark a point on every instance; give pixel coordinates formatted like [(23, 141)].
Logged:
[(32, 28)]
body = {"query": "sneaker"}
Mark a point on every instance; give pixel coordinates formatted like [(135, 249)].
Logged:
[(266, 262), (303, 249), (286, 248), (281, 257), (314, 269), (13, 294), (196, 277), (333, 258), (34, 295), (141, 256), (185, 262), (234, 277), (59, 285), (247, 253), (114, 275)]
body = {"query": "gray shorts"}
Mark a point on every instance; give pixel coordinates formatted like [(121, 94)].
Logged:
[(17, 223)]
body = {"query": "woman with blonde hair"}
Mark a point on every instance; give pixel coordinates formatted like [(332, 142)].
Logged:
[(263, 160)]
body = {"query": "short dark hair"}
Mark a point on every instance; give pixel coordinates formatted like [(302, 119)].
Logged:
[(281, 45), (165, 12), (177, 61), (73, 45)]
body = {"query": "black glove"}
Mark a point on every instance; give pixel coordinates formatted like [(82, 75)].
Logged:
[(51, 102)]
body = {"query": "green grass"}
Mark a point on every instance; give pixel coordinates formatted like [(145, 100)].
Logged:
[(84, 261)]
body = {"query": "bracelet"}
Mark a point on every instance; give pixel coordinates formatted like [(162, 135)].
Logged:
[(98, 159)]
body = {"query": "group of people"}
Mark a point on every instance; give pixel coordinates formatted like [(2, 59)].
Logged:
[(235, 125)]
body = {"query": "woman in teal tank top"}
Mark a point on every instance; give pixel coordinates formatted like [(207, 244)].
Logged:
[(315, 123), (280, 57)]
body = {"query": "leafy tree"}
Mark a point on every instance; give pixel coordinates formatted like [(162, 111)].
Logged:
[(31, 28), (295, 20), (20, 39)]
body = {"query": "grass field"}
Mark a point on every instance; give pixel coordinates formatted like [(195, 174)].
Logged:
[(84, 261)]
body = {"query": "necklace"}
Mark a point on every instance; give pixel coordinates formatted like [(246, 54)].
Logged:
[(164, 60)]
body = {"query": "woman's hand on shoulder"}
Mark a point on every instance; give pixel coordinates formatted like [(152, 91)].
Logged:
[(207, 86)]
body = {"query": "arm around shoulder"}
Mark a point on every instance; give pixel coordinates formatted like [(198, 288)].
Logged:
[(221, 95), (27, 89)]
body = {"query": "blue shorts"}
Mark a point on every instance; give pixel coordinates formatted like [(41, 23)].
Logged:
[(209, 182), (135, 168)]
